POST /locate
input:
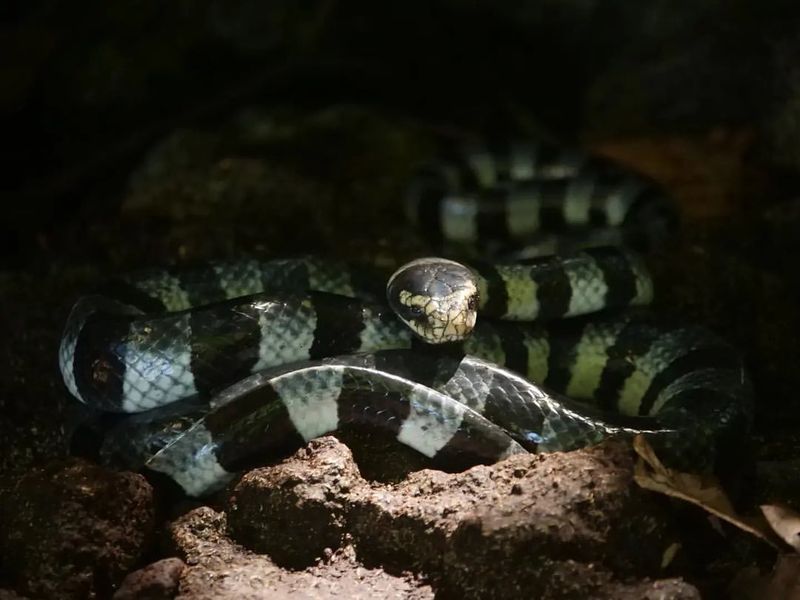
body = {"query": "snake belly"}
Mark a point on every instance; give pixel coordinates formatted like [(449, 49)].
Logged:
[(233, 333)]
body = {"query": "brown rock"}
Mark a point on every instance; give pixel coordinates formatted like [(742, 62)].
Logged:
[(73, 529), (672, 589), (294, 511), (510, 527), (157, 581), (220, 570), (10, 595), (546, 525)]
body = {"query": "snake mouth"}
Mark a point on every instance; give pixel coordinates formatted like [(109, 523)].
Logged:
[(441, 333), (440, 320)]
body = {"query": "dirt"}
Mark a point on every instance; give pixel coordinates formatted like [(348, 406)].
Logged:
[(73, 529)]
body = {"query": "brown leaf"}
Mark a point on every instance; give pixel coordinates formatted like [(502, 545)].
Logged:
[(785, 522), (703, 490)]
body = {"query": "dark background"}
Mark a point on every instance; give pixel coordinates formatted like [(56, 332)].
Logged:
[(86, 87)]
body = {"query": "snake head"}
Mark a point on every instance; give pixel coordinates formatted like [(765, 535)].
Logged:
[(436, 298)]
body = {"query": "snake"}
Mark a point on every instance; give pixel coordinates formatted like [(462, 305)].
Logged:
[(220, 366)]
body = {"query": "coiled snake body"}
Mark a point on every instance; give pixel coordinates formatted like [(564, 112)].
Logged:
[(279, 352)]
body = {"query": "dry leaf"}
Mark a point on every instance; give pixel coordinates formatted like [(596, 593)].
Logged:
[(702, 490), (785, 522)]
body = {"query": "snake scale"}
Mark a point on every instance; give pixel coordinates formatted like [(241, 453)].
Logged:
[(231, 362)]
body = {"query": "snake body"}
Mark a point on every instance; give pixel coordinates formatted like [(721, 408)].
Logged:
[(283, 351), (513, 191)]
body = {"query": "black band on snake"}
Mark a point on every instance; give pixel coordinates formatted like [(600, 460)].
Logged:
[(275, 353)]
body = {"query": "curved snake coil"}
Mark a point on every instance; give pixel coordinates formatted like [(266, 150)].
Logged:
[(268, 347)]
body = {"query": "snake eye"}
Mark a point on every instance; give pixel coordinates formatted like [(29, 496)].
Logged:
[(416, 311), (472, 303)]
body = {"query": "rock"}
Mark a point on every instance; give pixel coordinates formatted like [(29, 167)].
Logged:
[(295, 510), (228, 198), (674, 589), (491, 531), (253, 182), (72, 529), (10, 595), (157, 581), (480, 529), (220, 570)]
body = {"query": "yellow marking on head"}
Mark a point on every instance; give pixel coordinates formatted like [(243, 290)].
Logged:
[(447, 319)]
